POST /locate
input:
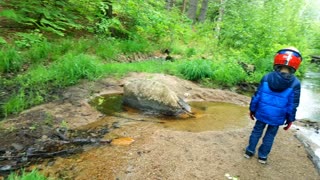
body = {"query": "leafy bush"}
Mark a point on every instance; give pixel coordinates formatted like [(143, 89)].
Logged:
[(228, 73), (196, 69), (28, 39)]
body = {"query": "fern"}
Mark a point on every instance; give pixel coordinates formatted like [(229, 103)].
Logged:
[(55, 16)]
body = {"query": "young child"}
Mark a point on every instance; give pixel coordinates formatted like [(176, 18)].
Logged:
[(275, 102)]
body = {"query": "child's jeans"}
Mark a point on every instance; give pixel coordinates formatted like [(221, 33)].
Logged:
[(267, 141)]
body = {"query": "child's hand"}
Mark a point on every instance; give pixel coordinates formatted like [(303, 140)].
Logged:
[(287, 125), (251, 115)]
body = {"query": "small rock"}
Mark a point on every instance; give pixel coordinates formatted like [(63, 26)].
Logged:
[(122, 141), (17, 146), (5, 168), (116, 125)]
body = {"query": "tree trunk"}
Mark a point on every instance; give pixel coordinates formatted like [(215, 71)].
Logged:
[(109, 11), (184, 4), (204, 8), (170, 4), (192, 11), (219, 20)]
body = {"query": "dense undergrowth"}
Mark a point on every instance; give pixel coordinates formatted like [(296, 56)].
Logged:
[(44, 49)]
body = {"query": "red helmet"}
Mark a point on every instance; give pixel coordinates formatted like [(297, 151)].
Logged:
[(289, 57)]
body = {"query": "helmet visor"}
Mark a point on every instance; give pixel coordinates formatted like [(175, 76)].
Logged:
[(285, 51)]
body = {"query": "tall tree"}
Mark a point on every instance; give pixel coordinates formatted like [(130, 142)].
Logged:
[(219, 20), (184, 5), (203, 12), (192, 11)]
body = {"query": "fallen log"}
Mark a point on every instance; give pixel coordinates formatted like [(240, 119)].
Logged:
[(37, 154), (315, 59)]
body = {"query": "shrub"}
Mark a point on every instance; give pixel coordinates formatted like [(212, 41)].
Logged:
[(196, 69), (228, 73)]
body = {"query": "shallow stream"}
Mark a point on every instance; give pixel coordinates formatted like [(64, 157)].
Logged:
[(208, 116), (309, 107)]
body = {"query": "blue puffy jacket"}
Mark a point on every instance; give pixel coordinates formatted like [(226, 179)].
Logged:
[(276, 99)]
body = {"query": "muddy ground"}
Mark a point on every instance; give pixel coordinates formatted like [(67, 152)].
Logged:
[(144, 150)]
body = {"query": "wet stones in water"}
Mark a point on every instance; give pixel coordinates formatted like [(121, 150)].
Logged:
[(61, 142)]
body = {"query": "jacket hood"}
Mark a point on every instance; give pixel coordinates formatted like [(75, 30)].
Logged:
[(279, 81)]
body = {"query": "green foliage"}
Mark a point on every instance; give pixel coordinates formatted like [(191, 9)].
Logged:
[(149, 19), (196, 69), (39, 81), (264, 64), (94, 42), (255, 77), (227, 73), (64, 72), (28, 39), (10, 60), (56, 16), (2, 41), (71, 68), (107, 49), (151, 66), (191, 52), (112, 27), (39, 53), (33, 175), (261, 31), (130, 46), (15, 104)]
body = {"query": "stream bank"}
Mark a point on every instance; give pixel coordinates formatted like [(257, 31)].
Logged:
[(156, 152)]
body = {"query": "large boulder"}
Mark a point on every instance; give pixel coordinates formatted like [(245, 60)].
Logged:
[(153, 97)]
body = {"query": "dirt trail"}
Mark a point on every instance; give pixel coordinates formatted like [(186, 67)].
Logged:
[(158, 153)]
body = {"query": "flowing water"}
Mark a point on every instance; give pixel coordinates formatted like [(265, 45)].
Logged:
[(309, 107)]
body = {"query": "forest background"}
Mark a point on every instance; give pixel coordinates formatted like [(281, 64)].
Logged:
[(48, 45)]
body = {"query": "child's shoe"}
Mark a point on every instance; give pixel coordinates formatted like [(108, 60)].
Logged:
[(262, 160), (248, 154)]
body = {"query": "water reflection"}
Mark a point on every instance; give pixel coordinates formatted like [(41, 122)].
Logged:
[(208, 115), (211, 116), (309, 107)]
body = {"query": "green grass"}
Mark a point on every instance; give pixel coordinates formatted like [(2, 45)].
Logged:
[(196, 69), (150, 66), (64, 62), (10, 60), (40, 80), (35, 85), (228, 73), (33, 175), (15, 104), (39, 53)]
